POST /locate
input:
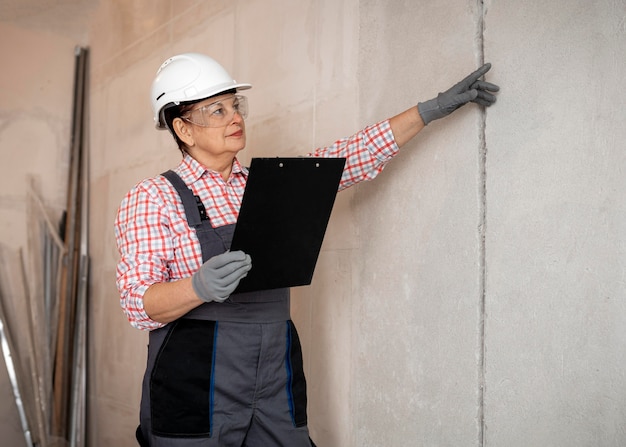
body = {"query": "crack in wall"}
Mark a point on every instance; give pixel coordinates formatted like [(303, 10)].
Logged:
[(482, 194)]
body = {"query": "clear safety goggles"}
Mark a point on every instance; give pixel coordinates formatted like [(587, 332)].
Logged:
[(219, 113)]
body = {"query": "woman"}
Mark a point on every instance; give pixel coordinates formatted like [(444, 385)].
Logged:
[(225, 369)]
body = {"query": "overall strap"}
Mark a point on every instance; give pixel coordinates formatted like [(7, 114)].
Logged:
[(212, 241), (194, 209)]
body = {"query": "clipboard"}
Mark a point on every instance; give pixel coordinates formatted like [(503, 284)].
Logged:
[(283, 218)]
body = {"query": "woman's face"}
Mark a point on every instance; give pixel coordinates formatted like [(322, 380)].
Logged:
[(216, 129)]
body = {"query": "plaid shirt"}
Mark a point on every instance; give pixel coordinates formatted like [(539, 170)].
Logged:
[(156, 244)]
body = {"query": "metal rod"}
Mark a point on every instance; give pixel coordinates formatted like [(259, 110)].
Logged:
[(8, 360), (36, 405), (79, 385), (62, 377)]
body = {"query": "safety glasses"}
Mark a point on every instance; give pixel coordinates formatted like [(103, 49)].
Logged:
[(219, 113)]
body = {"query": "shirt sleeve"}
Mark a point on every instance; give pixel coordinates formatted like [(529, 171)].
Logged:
[(366, 152), (145, 244)]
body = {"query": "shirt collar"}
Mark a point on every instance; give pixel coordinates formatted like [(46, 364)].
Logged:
[(190, 170)]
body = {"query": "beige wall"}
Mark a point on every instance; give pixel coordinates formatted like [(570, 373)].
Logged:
[(474, 294), (37, 50)]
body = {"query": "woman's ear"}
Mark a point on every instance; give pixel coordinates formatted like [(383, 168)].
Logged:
[(183, 131)]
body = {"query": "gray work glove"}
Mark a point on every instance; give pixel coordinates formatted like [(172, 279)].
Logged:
[(469, 89), (219, 276)]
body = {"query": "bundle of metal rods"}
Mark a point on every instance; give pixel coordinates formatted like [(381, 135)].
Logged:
[(48, 368)]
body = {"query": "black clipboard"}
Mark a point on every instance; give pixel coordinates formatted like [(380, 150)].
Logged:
[(283, 218)]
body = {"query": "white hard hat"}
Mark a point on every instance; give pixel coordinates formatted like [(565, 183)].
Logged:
[(188, 77)]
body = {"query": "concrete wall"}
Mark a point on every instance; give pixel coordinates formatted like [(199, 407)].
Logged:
[(473, 294), (556, 226)]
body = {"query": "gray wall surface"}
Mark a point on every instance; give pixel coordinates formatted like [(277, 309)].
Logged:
[(473, 294), (556, 226)]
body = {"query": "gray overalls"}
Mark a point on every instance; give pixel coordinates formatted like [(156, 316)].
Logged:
[(225, 374)]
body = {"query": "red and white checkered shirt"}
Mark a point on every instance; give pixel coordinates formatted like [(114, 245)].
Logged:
[(156, 244)]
